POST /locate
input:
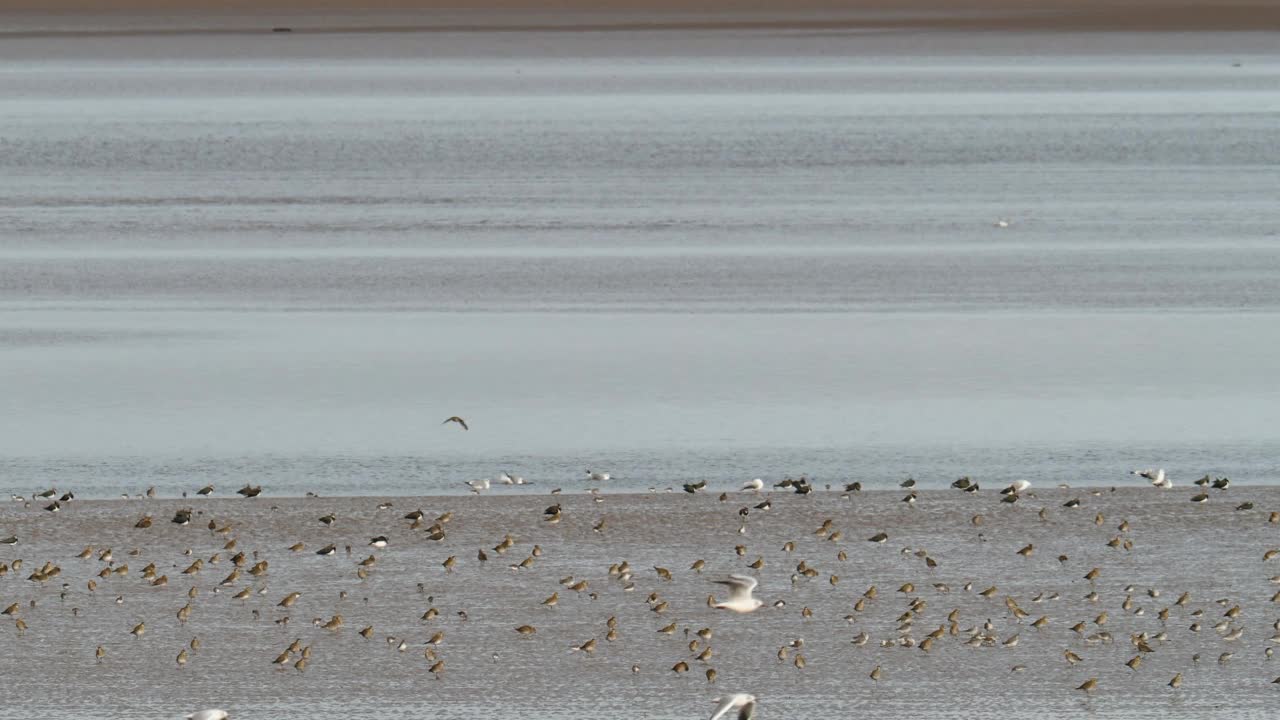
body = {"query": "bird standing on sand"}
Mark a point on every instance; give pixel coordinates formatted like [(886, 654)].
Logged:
[(740, 597), (456, 419)]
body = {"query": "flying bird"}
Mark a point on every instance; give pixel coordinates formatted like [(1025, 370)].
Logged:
[(740, 598), (1156, 477), (1015, 488), (456, 419), (743, 703)]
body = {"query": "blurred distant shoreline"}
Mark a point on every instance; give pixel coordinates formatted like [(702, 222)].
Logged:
[(26, 18)]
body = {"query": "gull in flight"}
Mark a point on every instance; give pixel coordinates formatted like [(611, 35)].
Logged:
[(1156, 477), (1017, 487), (740, 598), (742, 702), (458, 420), (478, 486), (209, 715), (510, 479)]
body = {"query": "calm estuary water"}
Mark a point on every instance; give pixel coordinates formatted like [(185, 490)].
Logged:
[(668, 256)]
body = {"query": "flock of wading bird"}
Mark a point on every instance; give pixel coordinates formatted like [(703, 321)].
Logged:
[(249, 568)]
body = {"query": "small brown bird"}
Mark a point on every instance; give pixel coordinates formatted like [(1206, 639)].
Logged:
[(587, 647), (1176, 682), (526, 630), (456, 419), (1088, 685)]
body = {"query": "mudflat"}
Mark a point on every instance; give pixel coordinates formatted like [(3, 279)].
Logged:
[(1104, 575)]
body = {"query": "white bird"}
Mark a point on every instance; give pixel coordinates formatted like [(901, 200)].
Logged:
[(478, 486), (742, 702), (597, 476), (756, 485), (509, 479), (209, 715), (1156, 477), (1002, 223), (1017, 487), (740, 598)]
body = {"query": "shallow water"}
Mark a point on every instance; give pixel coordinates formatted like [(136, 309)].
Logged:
[(1212, 551), (665, 255)]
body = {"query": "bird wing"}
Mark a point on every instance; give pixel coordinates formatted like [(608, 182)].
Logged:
[(740, 586), (748, 711), (725, 706)]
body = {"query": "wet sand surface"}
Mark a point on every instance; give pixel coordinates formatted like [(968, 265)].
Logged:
[(1213, 551)]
